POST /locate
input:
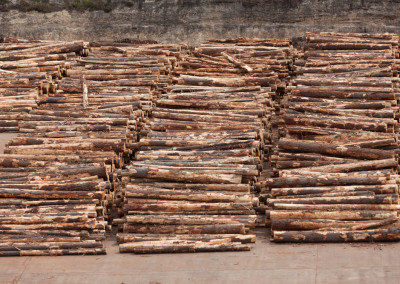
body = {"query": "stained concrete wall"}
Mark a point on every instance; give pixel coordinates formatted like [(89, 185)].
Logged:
[(196, 20)]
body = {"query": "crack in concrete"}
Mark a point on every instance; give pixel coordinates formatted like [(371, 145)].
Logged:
[(24, 266)]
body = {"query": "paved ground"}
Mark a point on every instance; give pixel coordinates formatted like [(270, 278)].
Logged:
[(4, 138), (265, 263)]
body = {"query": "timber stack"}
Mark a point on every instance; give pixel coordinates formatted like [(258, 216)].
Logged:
[(57, 175), (337, 161), (201, 151), (124, 78), (28, 69)]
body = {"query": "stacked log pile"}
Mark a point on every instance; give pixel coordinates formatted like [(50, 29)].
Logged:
[(202, 150), (180, 140), (28, 69), (57, 175), (337, 163), (240, 62)]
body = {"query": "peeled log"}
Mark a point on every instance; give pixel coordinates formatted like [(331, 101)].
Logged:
[(327, 224), (323, 180), (183, 176), (247, 220), (185, 229), (373, 199), (380, 189), (341, 151), (244, 239), (324, 207), (378, 235), (333, 215), (166, 206), (226, 82), (181, 246), (54, 252)]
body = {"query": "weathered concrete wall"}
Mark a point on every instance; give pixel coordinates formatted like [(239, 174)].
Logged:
[(197, 20)]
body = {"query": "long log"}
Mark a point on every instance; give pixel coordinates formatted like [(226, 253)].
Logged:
[(351, 151), (182, 246), (244, 239), (185, 229)]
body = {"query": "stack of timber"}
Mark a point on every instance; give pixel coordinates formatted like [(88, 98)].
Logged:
[(125, 79), (185, 192), (28, 69), (240, 62), (202, 149), (337, 163), (124, 67), (58, 173)]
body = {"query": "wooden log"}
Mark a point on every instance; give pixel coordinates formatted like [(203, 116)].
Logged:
[(374, 199), (127, 238), (351, 151), (334, 122), (229, 82), (248, 221), (54, 252), (183, 176), (379, 189), (352, 167), (176, 194), (182, 246), (351, 179), (199, 187), (185, 229), (313, 224), (237, 62), (333, 215), (324, 207), (169, 205)]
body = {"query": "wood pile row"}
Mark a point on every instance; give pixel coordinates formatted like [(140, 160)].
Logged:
[(239, 62), (28, 69), (337, 163), (118, 67), (201, 151), (57, 175)]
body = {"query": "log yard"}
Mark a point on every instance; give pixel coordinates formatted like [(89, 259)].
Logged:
[(176, 151)]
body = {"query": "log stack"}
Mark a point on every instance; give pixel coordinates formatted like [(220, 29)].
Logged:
[(57, 175), (337, 161), (178, 141), (243, 61), (28, 69), (202, 149)]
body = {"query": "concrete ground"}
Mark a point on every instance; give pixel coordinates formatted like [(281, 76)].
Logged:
[(266, 263)]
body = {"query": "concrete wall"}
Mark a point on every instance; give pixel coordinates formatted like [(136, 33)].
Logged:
[(194, 21)]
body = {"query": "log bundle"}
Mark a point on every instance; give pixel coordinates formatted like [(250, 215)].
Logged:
[(202, 149), (28, 69), (337, 161), (58, 174), (239, 62), (188, 146)]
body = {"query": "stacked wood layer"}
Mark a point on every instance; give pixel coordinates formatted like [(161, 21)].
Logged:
[(28, 69), (337, 162), (202, 149), (57, 175)]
